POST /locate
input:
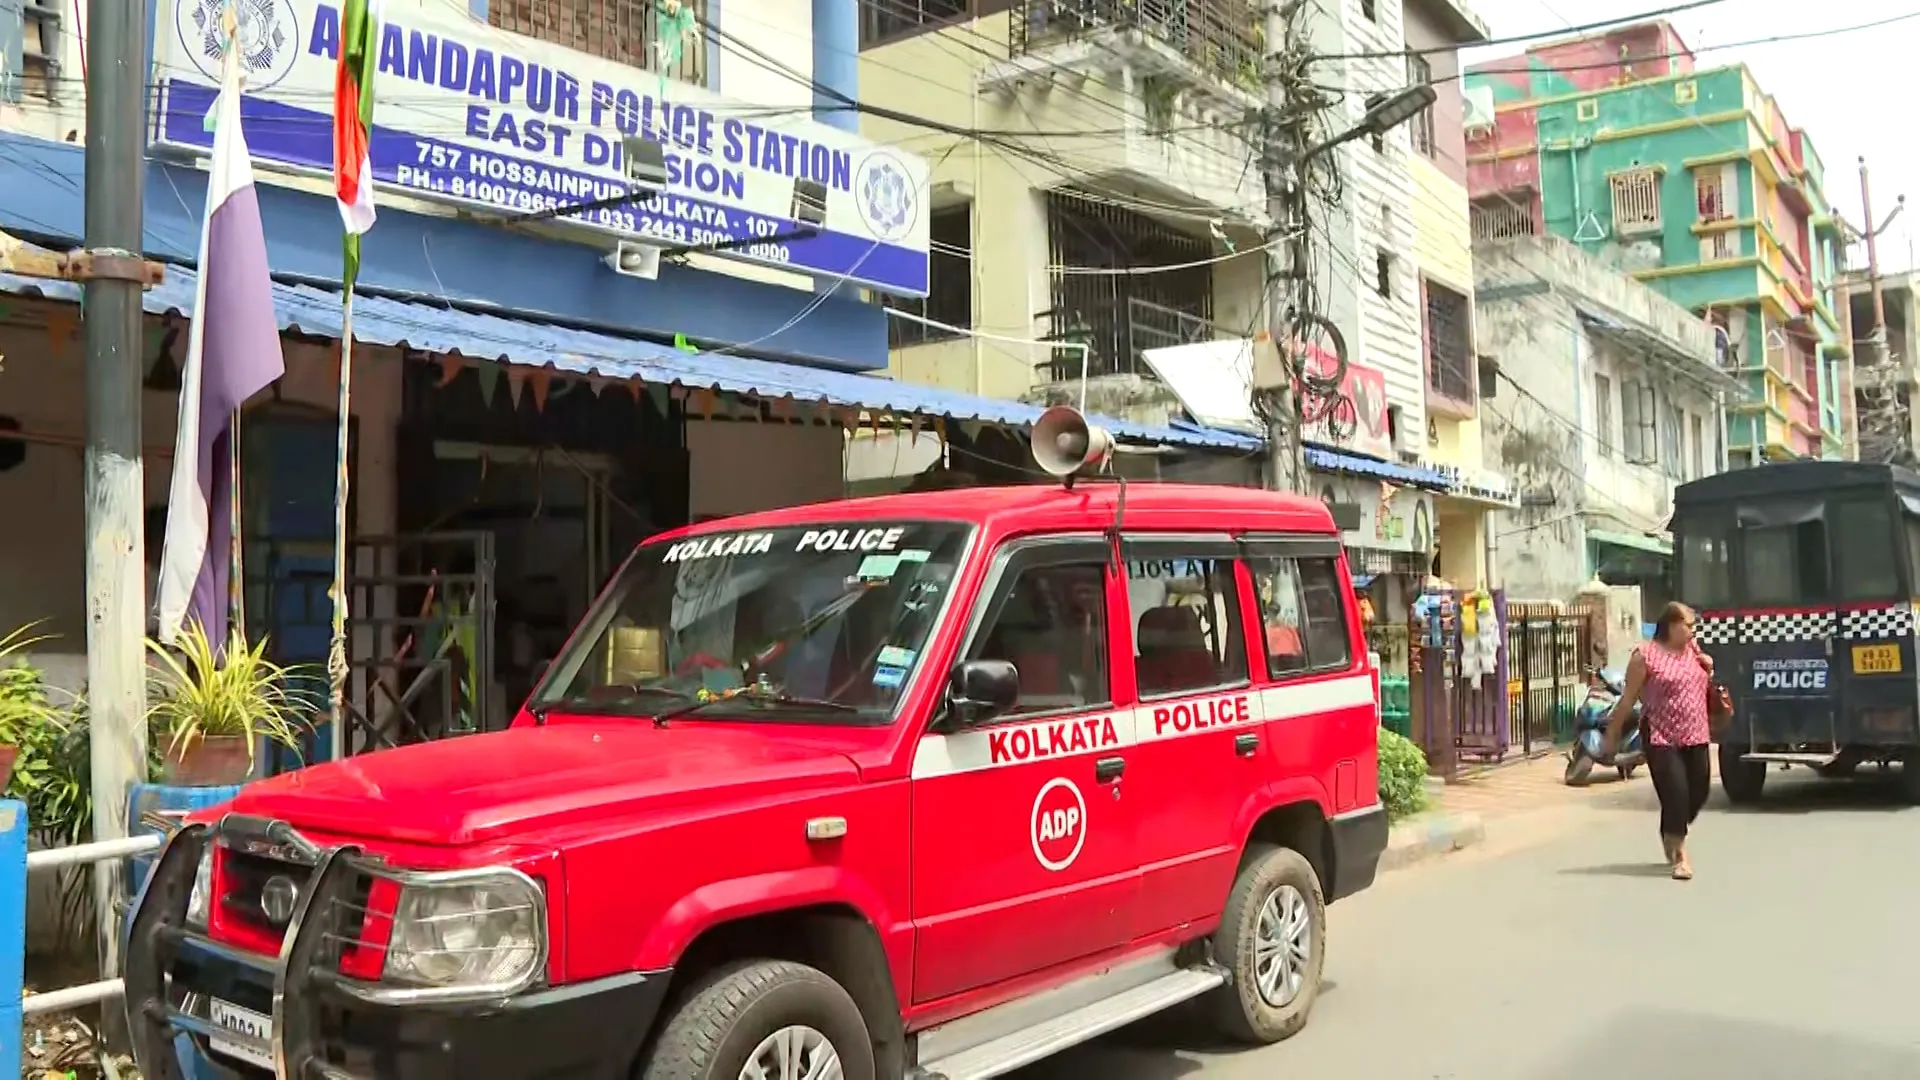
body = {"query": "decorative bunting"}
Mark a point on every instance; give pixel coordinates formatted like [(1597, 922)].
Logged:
[(516, 384), (60, 328), (488, 373), (451, 365), (596, 383), (783, 408), (541, 379), (702, 402)]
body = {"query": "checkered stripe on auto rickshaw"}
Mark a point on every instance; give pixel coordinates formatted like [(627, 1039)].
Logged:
[(1716, 629), (1894, 620), (1785, 626)]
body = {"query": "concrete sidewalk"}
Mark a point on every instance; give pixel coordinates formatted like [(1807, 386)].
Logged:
[(1512, 803)]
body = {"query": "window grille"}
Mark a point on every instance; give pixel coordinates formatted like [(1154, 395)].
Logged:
[(1636, 201)]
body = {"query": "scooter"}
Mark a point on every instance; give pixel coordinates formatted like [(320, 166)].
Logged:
[(1590, 731)]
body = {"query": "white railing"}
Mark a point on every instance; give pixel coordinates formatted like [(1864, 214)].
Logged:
[(14, 873)]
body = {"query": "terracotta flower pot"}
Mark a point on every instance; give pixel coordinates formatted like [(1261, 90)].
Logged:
[(8, 754), (210, 761)]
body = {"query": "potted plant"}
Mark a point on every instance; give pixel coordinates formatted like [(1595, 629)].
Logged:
[(209, 709), (26, 714)]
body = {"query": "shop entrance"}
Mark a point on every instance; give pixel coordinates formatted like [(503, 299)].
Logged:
[(516, 501)]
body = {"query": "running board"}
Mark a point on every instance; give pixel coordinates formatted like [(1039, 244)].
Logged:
[(1049, 1036), (1818, 761)]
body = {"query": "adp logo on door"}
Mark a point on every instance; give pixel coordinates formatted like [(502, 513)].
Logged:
[(1058, 824)]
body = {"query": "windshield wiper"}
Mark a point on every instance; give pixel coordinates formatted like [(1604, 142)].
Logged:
[(820, 704), (604, 707)]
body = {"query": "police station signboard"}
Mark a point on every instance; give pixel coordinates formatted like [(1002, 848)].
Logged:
[(470, 115)]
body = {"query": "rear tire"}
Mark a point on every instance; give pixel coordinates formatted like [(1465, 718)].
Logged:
[(1275, 914), (770, 1011), (1910, 777), (1743, 781)]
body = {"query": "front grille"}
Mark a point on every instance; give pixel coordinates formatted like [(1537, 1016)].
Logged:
[(259, 894), (246, 882)]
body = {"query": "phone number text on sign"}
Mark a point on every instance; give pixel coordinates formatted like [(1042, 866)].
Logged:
[(517, 187)]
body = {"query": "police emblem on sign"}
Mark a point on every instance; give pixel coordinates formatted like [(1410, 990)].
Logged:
[(265, 32), (887, 197)]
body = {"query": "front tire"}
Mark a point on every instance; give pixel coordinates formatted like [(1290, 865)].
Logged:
[(781, 1018), (1272, 937), (1743, 781), (1579, 768)]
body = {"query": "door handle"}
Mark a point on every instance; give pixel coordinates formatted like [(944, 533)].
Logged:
[(1245, 745), (1108, 769)]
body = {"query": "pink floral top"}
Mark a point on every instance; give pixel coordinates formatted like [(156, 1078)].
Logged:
[(1675, 696)]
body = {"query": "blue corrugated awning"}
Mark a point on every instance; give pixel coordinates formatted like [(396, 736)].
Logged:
[(523, 341), (1334, 461)]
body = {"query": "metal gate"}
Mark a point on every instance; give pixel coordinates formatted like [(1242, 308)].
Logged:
[(1548, 646)]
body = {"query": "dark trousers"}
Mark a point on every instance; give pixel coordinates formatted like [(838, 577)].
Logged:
[(1682, 775)]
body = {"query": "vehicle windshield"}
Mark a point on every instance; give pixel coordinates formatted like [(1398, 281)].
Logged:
[(821, 624)]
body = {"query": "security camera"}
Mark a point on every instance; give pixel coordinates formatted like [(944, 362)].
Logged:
[(645, 161)]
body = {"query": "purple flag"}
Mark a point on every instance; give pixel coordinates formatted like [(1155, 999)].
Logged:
[(233, 353)]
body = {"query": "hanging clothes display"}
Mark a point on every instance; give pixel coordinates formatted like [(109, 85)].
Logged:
[(1479, 638)]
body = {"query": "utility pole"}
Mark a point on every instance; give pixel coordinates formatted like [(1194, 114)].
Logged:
[(1878, 336), (1886, 417), (114, 273), (1286, 256)]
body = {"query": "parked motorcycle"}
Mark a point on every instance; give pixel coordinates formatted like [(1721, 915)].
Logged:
[(1604, 688)]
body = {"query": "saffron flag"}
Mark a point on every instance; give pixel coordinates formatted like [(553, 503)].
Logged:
[(353, 129), (233, 352)]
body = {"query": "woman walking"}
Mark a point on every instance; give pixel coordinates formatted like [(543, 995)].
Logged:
[(1671, 676)]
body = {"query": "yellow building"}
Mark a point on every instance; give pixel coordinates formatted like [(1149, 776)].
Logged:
[(1443, 257), (1121, 146)]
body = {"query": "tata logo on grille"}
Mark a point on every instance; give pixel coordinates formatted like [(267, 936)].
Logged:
[(278, 897)]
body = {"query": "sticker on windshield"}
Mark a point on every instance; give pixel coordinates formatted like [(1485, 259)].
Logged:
[(709, 547), (895, 656), (877, 567), (889, 677), (850, 540), (915, 555)]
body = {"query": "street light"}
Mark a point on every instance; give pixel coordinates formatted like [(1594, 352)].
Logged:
[(1381, 117)]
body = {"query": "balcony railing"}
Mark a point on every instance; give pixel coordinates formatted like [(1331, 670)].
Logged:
[(1117, 333), (627, 31), (1219, 36)]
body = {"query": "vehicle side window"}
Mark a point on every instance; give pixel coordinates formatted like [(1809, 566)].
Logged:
[(1303, 614), (1323, 593), (1053, 628), (1186, 625)]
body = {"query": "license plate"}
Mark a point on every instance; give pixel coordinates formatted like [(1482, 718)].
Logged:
[(1876, 659), (241, 1022)]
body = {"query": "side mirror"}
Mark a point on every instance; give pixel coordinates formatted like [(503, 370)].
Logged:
[(979, 690)]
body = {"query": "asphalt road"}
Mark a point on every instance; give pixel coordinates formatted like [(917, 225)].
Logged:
[(1794, 953)]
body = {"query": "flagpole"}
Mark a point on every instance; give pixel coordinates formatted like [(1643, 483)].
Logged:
[(236, 558), (337, 651)]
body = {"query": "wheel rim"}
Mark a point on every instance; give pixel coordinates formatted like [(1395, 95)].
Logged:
[(793, 1053), (1283, 946)]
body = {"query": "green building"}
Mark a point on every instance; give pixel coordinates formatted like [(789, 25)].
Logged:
[(1694, 183)]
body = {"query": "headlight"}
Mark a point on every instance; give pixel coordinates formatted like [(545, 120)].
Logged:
[(489, 933), (200, 900)]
